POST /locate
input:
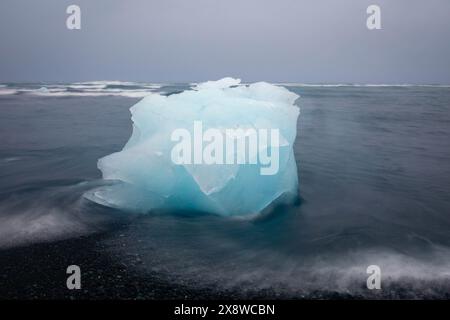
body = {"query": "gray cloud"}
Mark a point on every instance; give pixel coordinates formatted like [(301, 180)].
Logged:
[(323, 41)]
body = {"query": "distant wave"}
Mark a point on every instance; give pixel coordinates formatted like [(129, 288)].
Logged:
[(335, 85), (91, 89), (140, 89), (4, 92), (93, 93)]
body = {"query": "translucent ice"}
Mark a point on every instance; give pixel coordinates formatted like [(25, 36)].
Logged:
[(221, 147)]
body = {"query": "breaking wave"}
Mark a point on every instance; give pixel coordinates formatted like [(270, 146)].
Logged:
[(82, 89)]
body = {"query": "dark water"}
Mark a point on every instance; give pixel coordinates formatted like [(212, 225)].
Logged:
[(374, 170)]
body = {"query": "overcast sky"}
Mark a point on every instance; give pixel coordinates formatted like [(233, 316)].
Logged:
[(316, 41)]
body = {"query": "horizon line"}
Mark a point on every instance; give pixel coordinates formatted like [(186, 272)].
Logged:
[(243, 82)]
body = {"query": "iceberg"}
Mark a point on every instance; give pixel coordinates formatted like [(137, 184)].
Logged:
[(222, 147)]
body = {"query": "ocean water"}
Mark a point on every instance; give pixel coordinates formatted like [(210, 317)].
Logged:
[(374, 172)]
